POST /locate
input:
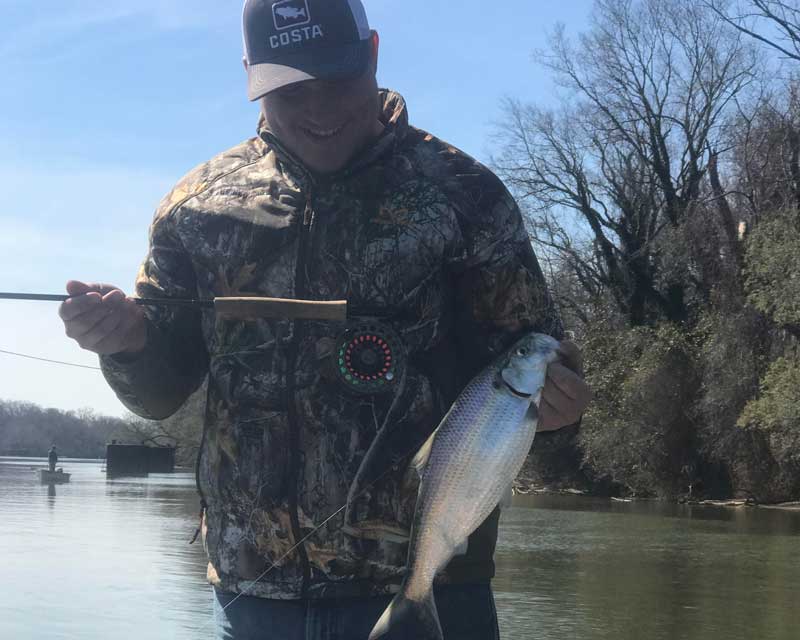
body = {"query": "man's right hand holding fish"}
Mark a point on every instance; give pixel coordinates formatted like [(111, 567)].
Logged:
[(566, 394)]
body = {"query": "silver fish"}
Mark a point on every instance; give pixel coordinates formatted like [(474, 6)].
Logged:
[(472, 458)]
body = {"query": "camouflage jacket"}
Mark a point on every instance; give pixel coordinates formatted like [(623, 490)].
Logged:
[(429, 249)]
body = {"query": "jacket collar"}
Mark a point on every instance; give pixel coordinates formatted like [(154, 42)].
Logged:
[(394, 116)]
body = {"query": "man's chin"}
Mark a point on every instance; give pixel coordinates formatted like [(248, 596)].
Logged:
[(325, 164), (325, 156)]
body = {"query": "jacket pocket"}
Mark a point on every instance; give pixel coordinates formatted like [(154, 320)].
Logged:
[(258, 459)]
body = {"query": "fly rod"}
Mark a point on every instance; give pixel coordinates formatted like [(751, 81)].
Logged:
[(243, 308)]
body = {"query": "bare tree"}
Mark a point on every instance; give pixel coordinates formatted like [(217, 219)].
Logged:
[(623, 162), (767, 154), (773, 22)]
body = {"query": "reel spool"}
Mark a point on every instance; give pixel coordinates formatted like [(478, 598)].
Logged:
[(369, 359)]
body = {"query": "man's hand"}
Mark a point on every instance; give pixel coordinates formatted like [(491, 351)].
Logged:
[(100, 318), (566, 395)]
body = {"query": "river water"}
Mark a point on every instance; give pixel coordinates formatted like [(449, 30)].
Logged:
[(100, 558)]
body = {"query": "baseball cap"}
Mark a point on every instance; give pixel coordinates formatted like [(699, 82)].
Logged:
[(288, 41)]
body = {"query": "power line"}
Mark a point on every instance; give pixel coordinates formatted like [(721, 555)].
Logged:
[(65, 364)]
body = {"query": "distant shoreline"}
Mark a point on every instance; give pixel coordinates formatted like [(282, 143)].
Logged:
[(44, 458)]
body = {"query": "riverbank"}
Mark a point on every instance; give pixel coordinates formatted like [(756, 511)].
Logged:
[(520, 489), (789, 506)]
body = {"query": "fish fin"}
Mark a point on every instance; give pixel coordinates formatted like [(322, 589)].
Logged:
[(420, 460), (532, 416), (406, 619)]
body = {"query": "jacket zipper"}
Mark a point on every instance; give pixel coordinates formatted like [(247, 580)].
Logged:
[(298, 333)]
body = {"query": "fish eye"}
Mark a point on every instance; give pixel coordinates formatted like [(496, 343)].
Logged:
[(522, 351)]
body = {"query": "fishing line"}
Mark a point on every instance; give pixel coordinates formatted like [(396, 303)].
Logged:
[(65, 364)]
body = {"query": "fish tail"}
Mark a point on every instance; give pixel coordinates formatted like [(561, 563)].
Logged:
[(407, 619)]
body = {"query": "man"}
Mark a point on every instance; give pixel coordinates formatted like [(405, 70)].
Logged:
[(52, 459), (338, 197)]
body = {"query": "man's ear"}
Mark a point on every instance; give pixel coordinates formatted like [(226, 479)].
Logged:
[(376, 45)]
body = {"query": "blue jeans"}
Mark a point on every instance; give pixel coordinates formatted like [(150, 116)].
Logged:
[(467, 612)]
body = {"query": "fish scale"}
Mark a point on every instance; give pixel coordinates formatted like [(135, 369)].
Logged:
[(472, 458)]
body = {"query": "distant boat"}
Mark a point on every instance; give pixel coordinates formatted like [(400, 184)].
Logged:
[(53, 477)]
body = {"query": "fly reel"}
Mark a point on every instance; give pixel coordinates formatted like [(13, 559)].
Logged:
[(369, 359)]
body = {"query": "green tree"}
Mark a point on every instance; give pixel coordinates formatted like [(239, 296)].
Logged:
[(778, 404), (773, 270), (639, 432)]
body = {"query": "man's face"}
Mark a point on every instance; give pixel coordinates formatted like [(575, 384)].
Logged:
[(323, 122)]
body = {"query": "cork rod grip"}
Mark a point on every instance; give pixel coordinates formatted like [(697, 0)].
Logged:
[(255, 308)]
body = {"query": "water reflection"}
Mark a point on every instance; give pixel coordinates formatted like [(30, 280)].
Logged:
[(122, 545), (647, 570)]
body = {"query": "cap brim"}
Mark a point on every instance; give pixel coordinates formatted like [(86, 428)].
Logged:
[(313, 64)]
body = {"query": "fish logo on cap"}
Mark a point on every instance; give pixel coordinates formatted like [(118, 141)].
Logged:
[(290, 13)]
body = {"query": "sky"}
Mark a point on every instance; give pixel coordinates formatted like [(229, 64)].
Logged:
[(105, 104)]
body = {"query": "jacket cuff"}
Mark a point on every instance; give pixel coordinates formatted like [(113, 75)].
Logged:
[(137, 378)]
